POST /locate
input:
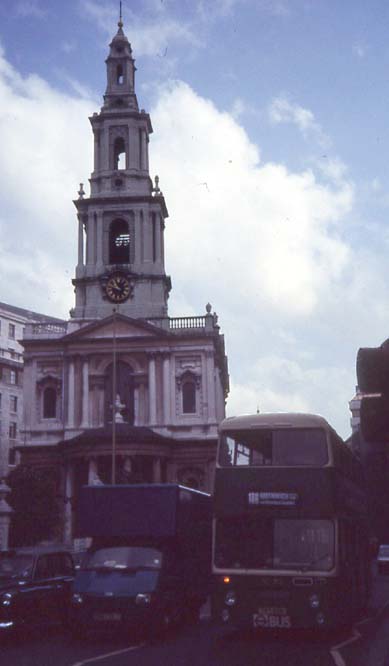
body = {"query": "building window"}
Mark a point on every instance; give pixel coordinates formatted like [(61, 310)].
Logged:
[(11, 331), (49, 403), (12, 430), (189, 396), (13, 377), (119, 242), (14, 403), (11, 456)]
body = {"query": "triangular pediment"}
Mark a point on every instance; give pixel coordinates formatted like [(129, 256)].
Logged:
[(119, 326)]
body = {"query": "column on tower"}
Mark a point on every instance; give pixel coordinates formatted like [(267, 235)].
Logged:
[(158, 233), (97, 134), (143, 152), (152, 390), (90, 241), (166, 388), (85, 393), (211, 385), (99, 244), (137, 235), (71, 393), (80, 241)]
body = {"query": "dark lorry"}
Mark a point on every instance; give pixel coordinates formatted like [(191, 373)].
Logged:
[(148, 566)]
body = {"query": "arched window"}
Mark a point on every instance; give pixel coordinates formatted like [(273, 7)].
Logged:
[(189, 396), (119, 75), (49, 403), (119, 154), (119, 242)]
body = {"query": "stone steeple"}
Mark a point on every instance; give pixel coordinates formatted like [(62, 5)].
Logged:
[(121, 223)]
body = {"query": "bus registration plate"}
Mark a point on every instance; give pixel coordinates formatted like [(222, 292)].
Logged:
[(271, 618)]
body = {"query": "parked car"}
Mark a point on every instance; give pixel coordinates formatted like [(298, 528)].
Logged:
[(35, 586), (383, 559)]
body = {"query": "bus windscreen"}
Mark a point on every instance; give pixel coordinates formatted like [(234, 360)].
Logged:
[(284, 447), (275, 543)]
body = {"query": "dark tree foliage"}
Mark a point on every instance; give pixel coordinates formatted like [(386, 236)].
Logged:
[(34, 497)]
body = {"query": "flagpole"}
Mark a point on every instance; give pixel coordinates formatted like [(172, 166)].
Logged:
[(113, 479)]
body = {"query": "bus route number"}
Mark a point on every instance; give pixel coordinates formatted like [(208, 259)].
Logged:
[(271, 618)]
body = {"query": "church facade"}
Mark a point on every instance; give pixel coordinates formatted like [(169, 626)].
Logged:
[(122, 392)]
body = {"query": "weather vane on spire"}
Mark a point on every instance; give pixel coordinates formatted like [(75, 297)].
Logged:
[(120, 24)]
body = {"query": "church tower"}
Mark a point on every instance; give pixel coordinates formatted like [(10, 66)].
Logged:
[(121, 392), (121, 225)]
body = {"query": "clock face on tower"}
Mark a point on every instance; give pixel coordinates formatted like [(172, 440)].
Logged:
[(118, 288)]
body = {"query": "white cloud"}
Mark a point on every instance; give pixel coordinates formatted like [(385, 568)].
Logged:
[(281, 110), (277, 384), (264, 234), (46, 152)]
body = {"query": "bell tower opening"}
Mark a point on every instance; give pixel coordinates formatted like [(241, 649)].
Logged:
[(119, 75), (119, 242), (119, 154)]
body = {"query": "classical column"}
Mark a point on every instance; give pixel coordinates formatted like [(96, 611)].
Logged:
[(136, 405), (211, 385), (68, 497), (85, 394), (166, 389), (158, 234), (138, 238), (90, 242), (152, 391), (71, 402), (157, 470), (147, 152), (100, 235), (144, 150), (80, 241)]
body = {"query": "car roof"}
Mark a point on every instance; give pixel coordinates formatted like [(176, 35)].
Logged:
[(36, 550)]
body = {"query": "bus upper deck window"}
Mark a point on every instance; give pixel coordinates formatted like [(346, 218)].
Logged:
[(300, 446)]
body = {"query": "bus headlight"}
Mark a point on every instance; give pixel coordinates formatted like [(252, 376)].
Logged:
[(314, 601), (77, 598), (143, 599), (230, 598)]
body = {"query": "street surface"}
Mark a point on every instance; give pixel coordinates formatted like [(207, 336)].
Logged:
[(366, 644)]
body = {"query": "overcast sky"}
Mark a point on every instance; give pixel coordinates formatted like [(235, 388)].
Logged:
[(271, 141)]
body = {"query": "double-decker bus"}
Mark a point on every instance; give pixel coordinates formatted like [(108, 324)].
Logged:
[(290, 524)]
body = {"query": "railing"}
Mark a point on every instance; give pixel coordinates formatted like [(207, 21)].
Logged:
[(187, 322), (45, 329)]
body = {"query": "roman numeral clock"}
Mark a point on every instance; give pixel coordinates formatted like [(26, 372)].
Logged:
[(117, 287)]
